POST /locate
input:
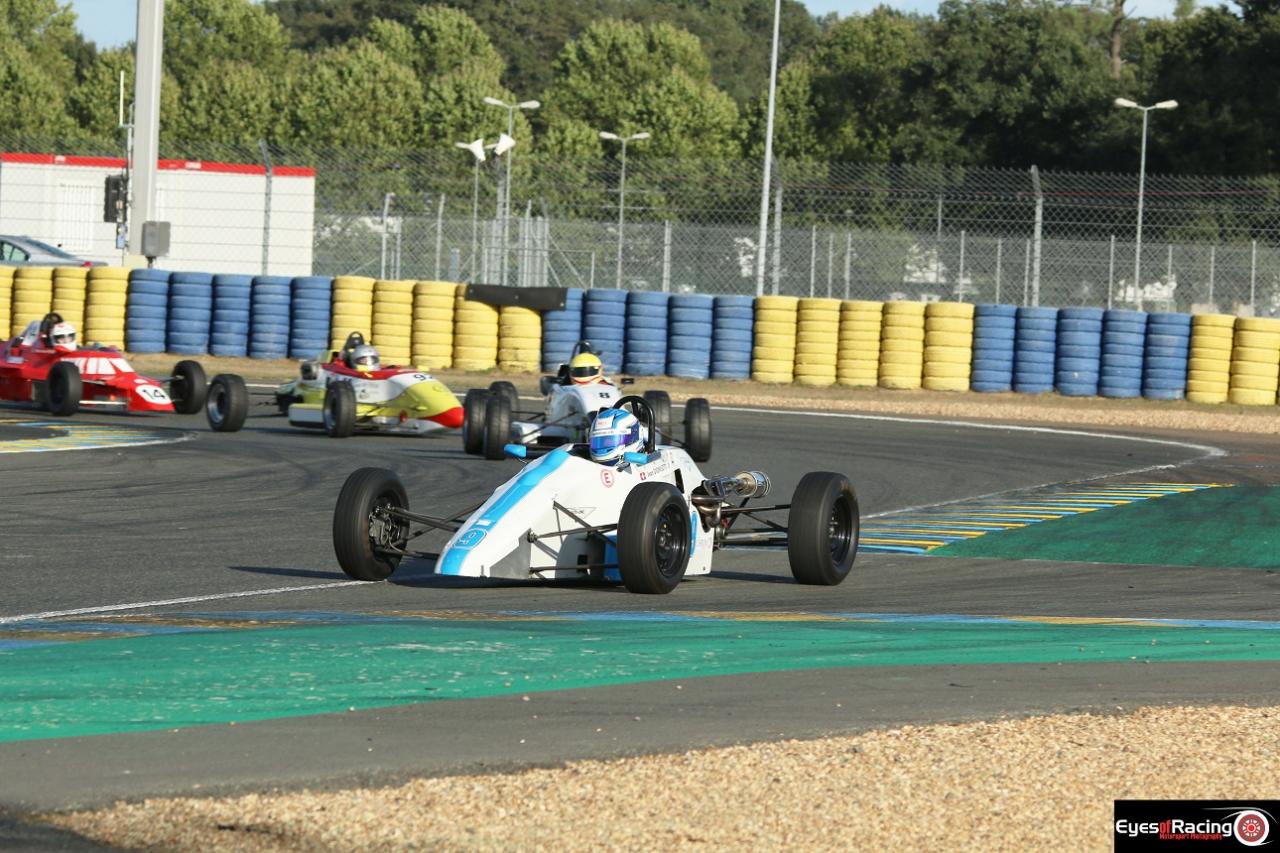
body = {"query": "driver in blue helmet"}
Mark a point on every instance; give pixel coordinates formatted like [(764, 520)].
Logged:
[(614, 433)]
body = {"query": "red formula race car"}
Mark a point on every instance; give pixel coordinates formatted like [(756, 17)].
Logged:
[(45, 367)]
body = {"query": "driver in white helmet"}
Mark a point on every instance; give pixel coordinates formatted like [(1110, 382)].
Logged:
[(62, 336), (364, 358), (614, 433)]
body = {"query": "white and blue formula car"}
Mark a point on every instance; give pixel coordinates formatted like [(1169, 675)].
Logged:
[(649, 521)]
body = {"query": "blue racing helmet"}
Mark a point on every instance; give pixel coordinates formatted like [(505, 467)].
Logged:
[(614, 433)]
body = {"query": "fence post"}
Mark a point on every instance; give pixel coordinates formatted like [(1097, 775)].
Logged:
[(386, 212), (666, 256), (848, 256), (266, 207), (455, 263), (1111, 270), (1035, 273), (960, 273), (439, 237), (813, 259), (591, 282), (999, 264), (937, 246), (1212, 249), (1168, 263), (777, 234), (831, 260), (1253, 277), (1026, 272)]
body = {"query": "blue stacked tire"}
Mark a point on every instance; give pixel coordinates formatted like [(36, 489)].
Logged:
[(1034, 349), (1164, 359), (1079, 354), (309, 316), (604, 324), (1123, 344), (147, 310), (646, 339), (269, 302), (994, 328), (229, 331), (689, 341), (190, 312), (732, 321), (561, 329)]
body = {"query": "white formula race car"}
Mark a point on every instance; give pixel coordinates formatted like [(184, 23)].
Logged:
[(649, 521)]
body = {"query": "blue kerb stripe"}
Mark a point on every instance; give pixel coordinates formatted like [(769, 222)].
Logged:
[(529, 479)]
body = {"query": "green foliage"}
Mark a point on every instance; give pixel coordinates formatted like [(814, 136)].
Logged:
[(358, 97)]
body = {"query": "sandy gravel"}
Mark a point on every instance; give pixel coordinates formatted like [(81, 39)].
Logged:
[(1026, 784)]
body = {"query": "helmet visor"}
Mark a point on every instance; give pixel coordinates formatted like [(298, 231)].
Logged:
[(367, 361), (585, 372), (605, 443), (66, 339)]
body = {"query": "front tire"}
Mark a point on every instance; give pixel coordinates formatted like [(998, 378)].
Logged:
[(697, 429), (654, 534), (822, 529), (506, 389), (497, 425), (660, 402), (361, 528), (339, 409), (64, 388), (188, 387), (226, 404), (473, 406)]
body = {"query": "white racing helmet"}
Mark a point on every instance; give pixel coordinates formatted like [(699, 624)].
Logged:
[(62, 336), (614, 433), (364, 357)]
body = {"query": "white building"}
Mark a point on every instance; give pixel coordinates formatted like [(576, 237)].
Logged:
[(217, 211)]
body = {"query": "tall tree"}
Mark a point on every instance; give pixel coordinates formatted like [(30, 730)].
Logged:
[(356, 97)]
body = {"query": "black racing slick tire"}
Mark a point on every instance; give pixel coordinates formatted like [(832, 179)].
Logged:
[(362, 530), (473, 420), (697, 429), (654, 535), (226, 404), (497, 426), (339, 409), (822, 529), (63, 388), (660, 402), (506, 389), (187, 387)]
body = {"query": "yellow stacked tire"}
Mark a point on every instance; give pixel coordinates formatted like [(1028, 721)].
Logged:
[(69, 287), (352, 309), (475, 334), (393, 320), (432, 340), (858, 353), (1209, 359), (32, 296), (1255, 361), (902, 345), (817, 341), (948, 346), (106, 293), (519, 339), (773, 350), (6, 297)]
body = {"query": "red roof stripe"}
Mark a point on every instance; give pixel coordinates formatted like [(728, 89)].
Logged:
[(166, 165)]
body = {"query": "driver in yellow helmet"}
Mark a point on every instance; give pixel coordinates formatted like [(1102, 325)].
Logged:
[(586, 369)]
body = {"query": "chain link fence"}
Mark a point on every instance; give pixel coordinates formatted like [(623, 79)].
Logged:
[(847, 230)]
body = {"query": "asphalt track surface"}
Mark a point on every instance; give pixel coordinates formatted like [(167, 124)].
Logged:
[(240, 523)]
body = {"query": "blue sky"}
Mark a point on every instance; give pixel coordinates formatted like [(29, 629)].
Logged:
[(113, 22)]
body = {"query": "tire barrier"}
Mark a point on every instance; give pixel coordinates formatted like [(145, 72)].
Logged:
[(1255, 361), (309, 312), (994, 327), (1078, 360), (732, 321), (1124, 339), (229, 330), (902, 345), (269, 301), (190, 313), (393, 320), (1034, 348), (858, 353), (432, 342), (69, 286), (32, 297), (519, 339), (352, 307), (817, 341), (1164, 359), (604, 323), (561, 329), (6, 298), (475, 334), (689, 341), (773, 348), (106, 294), (948, 346), (1209, 358), (647, 336), (147, 312)]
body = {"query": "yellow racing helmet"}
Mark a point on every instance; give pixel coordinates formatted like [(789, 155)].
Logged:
[(585, 368)]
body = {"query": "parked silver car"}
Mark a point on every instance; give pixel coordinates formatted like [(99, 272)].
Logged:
[(25, 251)]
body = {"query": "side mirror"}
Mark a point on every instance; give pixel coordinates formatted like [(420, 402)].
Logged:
[(515, 451), (544, 385), (627, 380), (636, 458), (308, 370)]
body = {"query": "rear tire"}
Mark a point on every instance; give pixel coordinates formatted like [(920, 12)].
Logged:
[(360, 529), (188, 387), (822, 529), (497, 425), (63, 388), (697, 429), (654, 535), (506, 389), (473, 420), (660, 402), (339, 409), (226, 403)]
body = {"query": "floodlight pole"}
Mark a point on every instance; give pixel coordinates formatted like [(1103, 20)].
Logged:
[(506, 194), (768, 153), (146, 138), (622, 192), (1142, 182)]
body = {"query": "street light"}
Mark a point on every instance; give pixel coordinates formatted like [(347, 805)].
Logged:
[(768, 156), (1142, 181), (622, 188), (476, 147), (511, 123)]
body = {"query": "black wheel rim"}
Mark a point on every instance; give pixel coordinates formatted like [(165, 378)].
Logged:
[(670, 540), (840, 529), (385, 530), (216, 404)]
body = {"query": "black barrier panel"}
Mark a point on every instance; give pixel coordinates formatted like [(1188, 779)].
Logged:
[(535, 298)]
